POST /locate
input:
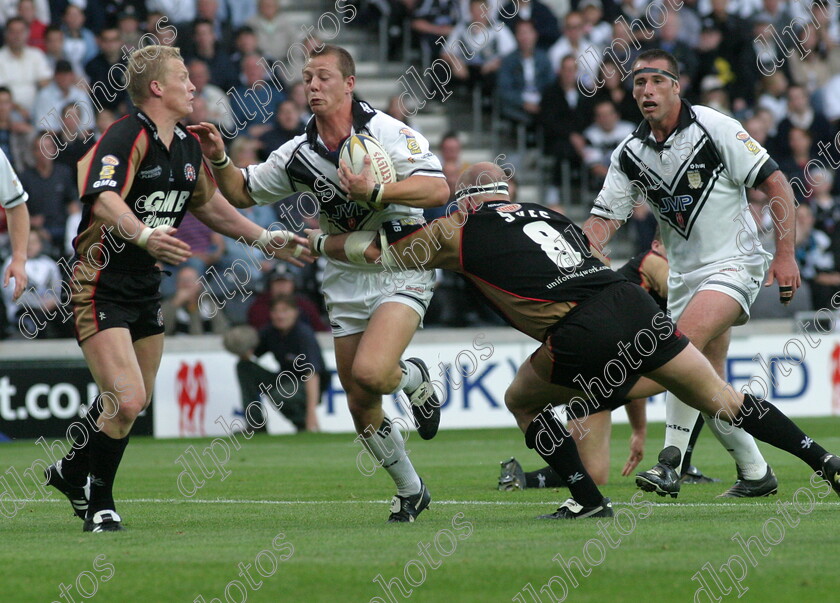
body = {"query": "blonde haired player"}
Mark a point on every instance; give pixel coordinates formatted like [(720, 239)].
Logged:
[(136, 185)]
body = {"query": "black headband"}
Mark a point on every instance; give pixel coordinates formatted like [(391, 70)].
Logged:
[(655, 70), (498, 188)]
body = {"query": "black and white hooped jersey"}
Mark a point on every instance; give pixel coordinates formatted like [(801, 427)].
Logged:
[(695, 181), (304, 164)]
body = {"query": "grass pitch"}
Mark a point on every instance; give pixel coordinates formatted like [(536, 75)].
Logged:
[(297, 521)]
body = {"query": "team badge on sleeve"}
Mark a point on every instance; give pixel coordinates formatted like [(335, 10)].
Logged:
[(110, 160), (189, 172), (411, 141)]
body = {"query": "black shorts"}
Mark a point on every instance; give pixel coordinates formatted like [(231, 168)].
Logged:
[(110, 299), (605, 343)]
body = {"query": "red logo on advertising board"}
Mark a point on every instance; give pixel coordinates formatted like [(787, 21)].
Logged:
[(191, 393), (835, 379)]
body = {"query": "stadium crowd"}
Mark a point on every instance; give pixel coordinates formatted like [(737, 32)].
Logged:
[(557, 67)]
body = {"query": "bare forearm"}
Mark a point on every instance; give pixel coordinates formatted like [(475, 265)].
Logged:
[(782, 211), (637, 414), (17, 218), (417, 191), (222, 217), (313, 392), (600, 231), (232, 184), (113, 211)]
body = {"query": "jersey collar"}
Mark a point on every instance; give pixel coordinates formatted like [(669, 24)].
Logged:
[(152, 128), (686, 118), (362, 113)]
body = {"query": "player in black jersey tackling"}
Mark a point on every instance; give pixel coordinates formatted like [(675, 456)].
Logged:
[(136, 184), (597, 330), (649, 270)]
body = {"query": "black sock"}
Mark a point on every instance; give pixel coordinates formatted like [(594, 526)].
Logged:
[(544, 478), (695, 433), (76, 463), (105, 456), (553, 443), (761, 419)]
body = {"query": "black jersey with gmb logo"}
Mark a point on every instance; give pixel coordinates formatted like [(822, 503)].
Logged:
[(158, 184)]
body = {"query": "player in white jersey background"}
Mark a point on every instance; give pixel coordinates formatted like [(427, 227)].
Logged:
[(13, 199), (692, 164), (373, 314)]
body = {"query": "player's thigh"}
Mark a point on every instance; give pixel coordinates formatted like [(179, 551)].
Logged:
[(691, 377), (386, 337), (113, 362), (709, 315), (149, 351)]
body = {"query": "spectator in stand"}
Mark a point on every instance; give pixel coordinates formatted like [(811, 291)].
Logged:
[(274, 32), (14, 131), (23, 69), (219, 110), (54, 45), (475, 51), (800, 114), (75, 137), (282, 281), (179, 13), (39, 300), (103, 68), (245, 43), (430, 20), (602, 138), (713, 94), (595, 28), (793, 166), (51, 189), (523, 76), (815, 69), (399, 109), (615, 91), (209, 10), (572, 42), (286, 126), (453, 164), (538, 13), (237, 12), (564, 114), (53, 97), (774, 98), (184, 315), (732, 58), (79, 42), (113, 10), (826, 215), (668, 39), (37, 27), (248, 107), (206, 47), (294, 346), (128, 23), (816, 259), (830, 95), (207, 248)]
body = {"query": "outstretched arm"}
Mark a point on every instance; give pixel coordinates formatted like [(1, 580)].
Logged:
[(17, 218), (229, 178), (222, 217)]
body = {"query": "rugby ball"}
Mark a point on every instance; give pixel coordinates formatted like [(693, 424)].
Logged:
[(353, 153)]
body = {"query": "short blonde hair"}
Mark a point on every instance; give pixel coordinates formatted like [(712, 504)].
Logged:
[(146, 65)]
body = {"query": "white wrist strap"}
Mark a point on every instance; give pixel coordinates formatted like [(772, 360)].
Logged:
[(143, 238), (268, 237), (356, 245)]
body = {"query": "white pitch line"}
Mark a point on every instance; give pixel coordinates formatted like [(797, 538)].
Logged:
[(222, 501)]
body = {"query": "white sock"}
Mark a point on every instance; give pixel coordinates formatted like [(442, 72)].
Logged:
[(411, 379), (741, 446), (388, 447), (679, 421)]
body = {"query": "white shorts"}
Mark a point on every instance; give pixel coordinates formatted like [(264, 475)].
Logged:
[(352, 295), (739, 278)]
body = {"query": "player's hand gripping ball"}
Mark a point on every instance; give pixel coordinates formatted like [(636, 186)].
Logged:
[(353, 153)]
